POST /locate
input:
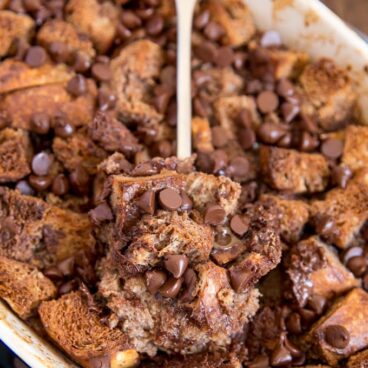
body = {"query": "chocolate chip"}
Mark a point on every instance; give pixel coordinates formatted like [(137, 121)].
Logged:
[(144, 169), (145, 13), (40, 123), (270, 38), (60, 185), (81, 62), (341, 175), (337, 336), (219, 136), (365, 282), (222, 237), (101, 72), (220, 160), (58, 51), (53, 273), (357, 265), (270, 133), (213, 31), (62, 127), (155, 25), (66, 267), (352, 252), (239, 225), (239, 278), (40, 183), (130, 19), (238, 167), (168, 76), (260, 361), (24, 188), (32, 5), (206, 52), (247, 138), (280, 356), (202, 107), (101, 213), (267, 101), (332, 148), (202, 19), (123, 33), (285, 88), (285, 141), (154, 280), (146, 202), (325, 226), (245, 119), (171, 288), (289, 111), (79, 179), (317, 303), (224, 57), (36, 56), (187, 203), (223, 255), (214, 215), (293, 323), (67, 287), (254, 86), (190, 281), (170, 199), (239, 60), (176, 264), (309, 124), (77, 86), (41, 163), (162, 98), (106, 99), (308, 316), (308, 142)]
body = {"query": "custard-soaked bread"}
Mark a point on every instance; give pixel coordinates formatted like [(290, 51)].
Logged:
[(189, 261), (293, 215), (154, 322), (222, 82), (78, 330), (16, 75), (51, 99), (290, 170), (78, 150), (13, 26), (35, 232), (23, 287), (280, 63), (96, 19), (201, 133), (228, 109), (112, 135), (235, 18), (355, 154), (60, 31), (315, 270), (342, 211), (342, 331), (15, 155), (330, 94), (134, 71), (359, 360)]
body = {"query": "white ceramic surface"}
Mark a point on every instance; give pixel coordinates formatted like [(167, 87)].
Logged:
[(305, 25)]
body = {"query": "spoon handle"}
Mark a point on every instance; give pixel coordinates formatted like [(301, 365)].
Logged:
[(184, 9)]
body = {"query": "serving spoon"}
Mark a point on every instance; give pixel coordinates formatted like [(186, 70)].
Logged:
[(184, 11)]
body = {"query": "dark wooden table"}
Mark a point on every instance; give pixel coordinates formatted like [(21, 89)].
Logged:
[(355, 12)]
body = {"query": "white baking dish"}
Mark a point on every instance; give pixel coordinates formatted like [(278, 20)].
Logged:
[(305, 25)]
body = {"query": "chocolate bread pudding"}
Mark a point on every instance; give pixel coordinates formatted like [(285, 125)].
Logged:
[(250, 253)]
